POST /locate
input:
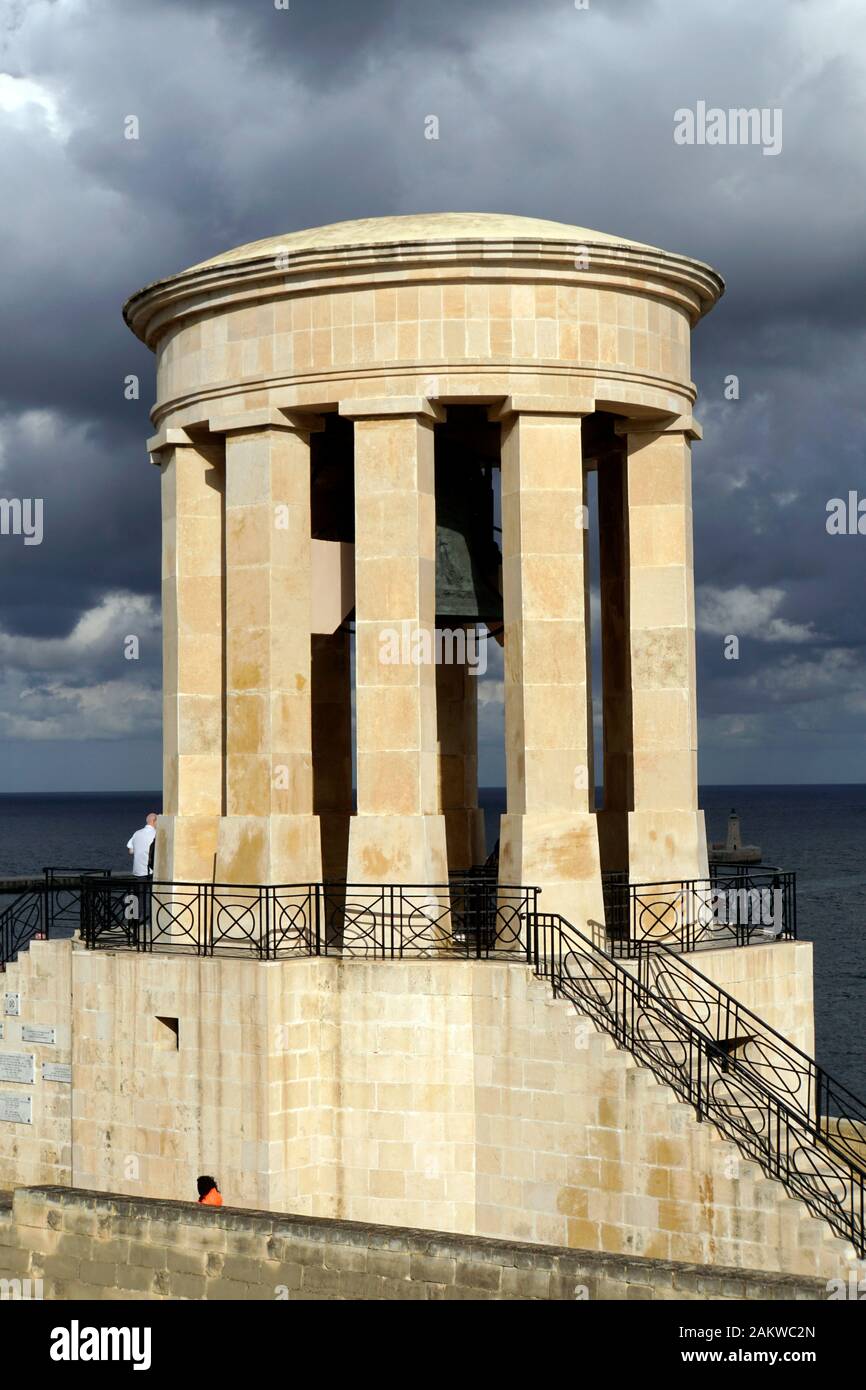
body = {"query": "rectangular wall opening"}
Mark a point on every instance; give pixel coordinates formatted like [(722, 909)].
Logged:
[(167, 1033)]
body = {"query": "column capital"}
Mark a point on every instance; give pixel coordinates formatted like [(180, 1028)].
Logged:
[(668, 424), (385, 407), (541, 405), (267, 418), (167, 437)]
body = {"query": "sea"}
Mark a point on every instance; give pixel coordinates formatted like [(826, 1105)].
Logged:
[(819, 832)]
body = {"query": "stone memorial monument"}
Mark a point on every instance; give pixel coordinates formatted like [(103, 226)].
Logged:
[(332, 407), (382, 445)]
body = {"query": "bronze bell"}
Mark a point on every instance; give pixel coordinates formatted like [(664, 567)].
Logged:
[(468, 560)]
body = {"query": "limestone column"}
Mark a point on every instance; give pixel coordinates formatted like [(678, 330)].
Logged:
[(269, 833), (398, 834), (667, 835), (192, 623), (549, 833), (457, 724)]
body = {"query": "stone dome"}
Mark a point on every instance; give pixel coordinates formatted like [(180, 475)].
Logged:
[(419, 227)]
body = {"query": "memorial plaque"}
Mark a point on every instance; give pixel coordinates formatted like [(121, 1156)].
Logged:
[(18, 1066), (12, 1004), (16, 1110), (57, 1071), (32, 1032)]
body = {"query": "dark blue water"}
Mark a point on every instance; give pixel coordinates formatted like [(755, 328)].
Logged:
[(819, 832), (70, 830)]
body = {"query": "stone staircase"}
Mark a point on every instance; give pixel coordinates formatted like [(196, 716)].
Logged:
[(675, 1187), (731, 1198)]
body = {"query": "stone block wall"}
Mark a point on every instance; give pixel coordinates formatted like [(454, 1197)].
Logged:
[(39, 1151), (86, 1245), (578, 1144), (448, 1095), (775, 981), (426, 328)]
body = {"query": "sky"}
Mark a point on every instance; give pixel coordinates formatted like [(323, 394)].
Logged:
[(256, 119)]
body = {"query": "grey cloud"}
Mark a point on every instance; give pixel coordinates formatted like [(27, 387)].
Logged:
[(256, 121)]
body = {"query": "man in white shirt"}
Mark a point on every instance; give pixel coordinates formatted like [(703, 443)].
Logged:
[(139, 847)]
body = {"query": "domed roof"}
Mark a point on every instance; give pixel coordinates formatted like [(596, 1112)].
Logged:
[(421, 227), (360, 247)]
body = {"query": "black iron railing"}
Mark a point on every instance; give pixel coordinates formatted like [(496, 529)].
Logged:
[(616, 904), (21, 921), (727, 909), (48, 907), (737, 905), (63, 897), (760, 1049), (720, 867), (465, 918), (469, 916), (736, 1099)]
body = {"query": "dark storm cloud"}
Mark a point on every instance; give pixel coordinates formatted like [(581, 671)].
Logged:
[(101, 518), (328, 40), (256, 121)]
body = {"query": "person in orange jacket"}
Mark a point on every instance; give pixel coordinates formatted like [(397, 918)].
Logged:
[(209, 1194)]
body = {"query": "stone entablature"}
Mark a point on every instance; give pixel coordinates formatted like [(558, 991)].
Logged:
[(478, 302)]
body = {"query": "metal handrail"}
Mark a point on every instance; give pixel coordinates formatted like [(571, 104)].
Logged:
[(682, 911), (21, 921), (737, 1101), (35, 913), (784, 1067), (735, 868), (462, 918), (57, 871)]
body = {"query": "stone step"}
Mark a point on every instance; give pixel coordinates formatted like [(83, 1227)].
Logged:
[(813, 1229)]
